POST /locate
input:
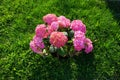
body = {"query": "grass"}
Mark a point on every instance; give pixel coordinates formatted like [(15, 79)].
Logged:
[(18, 21)]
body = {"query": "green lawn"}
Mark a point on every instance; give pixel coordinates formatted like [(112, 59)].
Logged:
[(18, 21)]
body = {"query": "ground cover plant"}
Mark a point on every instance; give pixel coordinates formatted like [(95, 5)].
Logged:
[(18, 19)]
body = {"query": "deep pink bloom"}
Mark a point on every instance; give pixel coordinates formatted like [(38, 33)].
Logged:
[(38, 42), (78, 44), (87, 40), (40, 30), (49, 30), (35, 48), (88, 48), (58, 39), (49, 18), (63, 22), (88, 45), (77, 25), (46, 35), (78, 41)]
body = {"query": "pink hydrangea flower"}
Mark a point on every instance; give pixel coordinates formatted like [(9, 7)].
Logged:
[(35, 48), (77, 25), (63, 22), (46, 35), (78, 44), (54, 26), (40, 30), (58, 39), (38, 42), (51, 28), (49, 18), (87, 40), (79, 34), (88, 45)]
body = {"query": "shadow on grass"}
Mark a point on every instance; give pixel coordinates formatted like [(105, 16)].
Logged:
[(86, 66), (114, 6), (75, 68)]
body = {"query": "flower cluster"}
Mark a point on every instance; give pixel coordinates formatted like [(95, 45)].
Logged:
[(56, 30), (81, 42), (58, 39)]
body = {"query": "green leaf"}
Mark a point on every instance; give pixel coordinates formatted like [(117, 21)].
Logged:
[(70, 41), (71, 34), (52, 49), (65, 33), (46, 41), (61, 51)]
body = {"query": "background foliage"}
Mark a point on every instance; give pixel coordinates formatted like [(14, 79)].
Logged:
[(18, 19)]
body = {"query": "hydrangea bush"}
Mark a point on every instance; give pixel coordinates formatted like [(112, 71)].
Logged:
[(59, 35)]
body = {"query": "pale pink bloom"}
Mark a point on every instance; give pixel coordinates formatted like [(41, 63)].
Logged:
[(63, 22), (58, 39), (88, 45), (87, 40), (35, 48), (49, 18), (38, 42), (40, 30), (79, 34), (78, 44), (77, 25), (54, 26)]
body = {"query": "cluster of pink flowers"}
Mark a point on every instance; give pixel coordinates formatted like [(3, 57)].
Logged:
[(37, 44), (58, 39), (81, 42), (52, 31)]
